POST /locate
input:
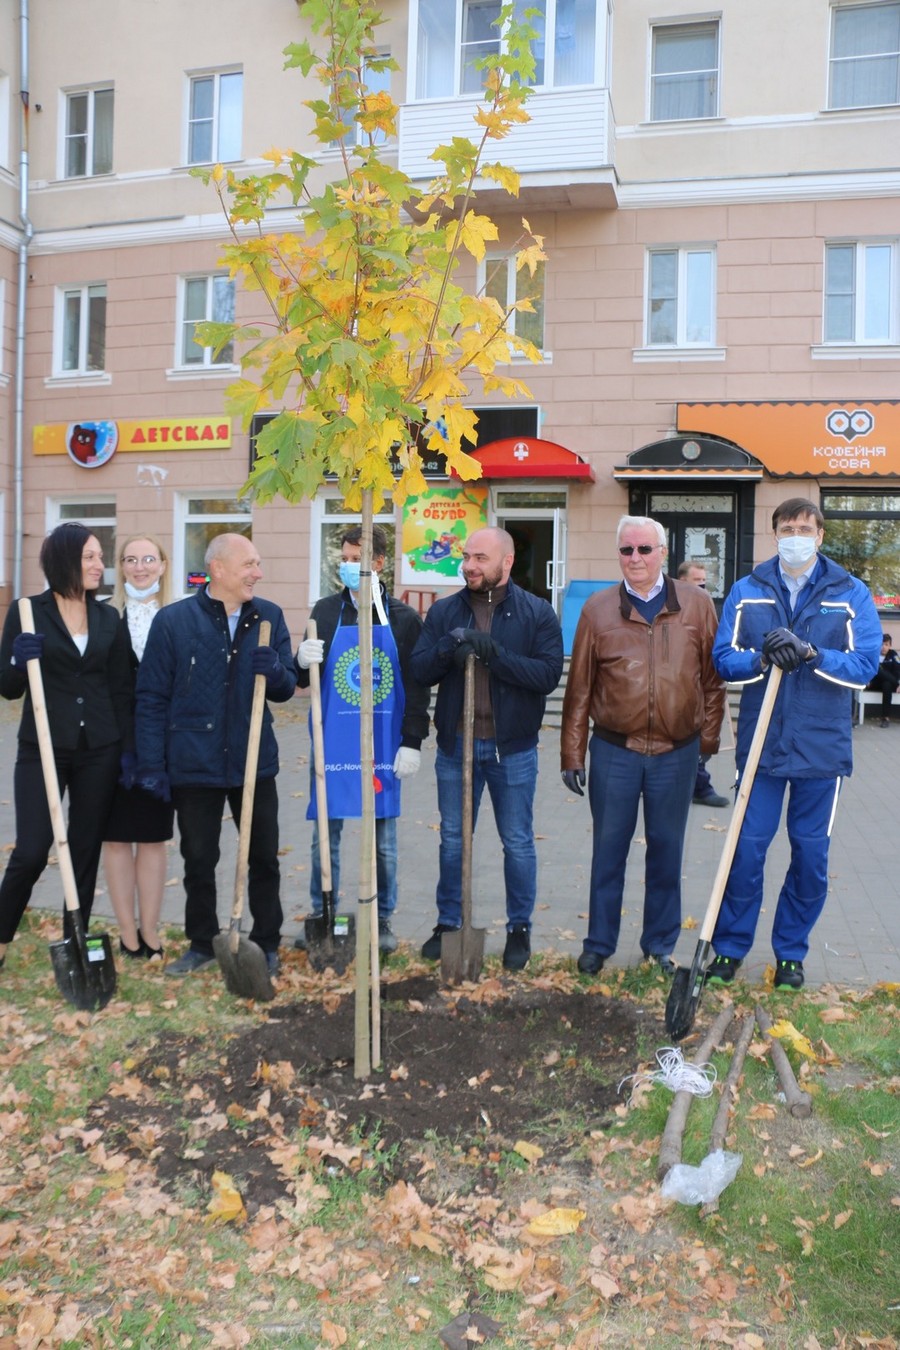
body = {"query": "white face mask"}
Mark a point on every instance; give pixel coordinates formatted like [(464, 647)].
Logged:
[(134, 594), (796, 550)]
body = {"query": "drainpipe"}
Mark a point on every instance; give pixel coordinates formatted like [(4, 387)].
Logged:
[(27, 233)]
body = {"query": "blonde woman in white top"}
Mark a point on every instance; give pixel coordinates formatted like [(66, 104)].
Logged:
[(134, 850)]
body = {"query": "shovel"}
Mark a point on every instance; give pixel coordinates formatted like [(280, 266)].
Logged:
[(84, 967), (330, 941), (462, 952), (241, 961), (687, 986)]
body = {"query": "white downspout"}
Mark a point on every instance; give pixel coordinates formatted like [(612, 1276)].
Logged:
[(27, 233)]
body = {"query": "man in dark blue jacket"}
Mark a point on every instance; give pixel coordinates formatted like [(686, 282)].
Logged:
[(804, 613), (517, 640), (192, 721)]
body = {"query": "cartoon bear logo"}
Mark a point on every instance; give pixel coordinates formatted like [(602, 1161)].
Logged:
[(91, 444), (83, 444)]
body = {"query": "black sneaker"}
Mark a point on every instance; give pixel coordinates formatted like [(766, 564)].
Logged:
[(722, 970), (387, 942), (590, 963), (789, 975), (518, 948), (431, 949)]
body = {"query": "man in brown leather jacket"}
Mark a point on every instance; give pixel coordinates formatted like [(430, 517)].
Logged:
[(642, 673)]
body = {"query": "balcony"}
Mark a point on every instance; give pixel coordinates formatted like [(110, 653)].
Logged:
[(564, 155)]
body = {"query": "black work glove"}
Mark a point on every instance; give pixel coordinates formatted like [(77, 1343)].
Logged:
[(127, 769), (482, 644), (27, 647), (704, 759), (264, 661), (574, 780), (783, 648)]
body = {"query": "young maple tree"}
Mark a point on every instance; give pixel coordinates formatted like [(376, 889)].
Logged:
[(368, 332)]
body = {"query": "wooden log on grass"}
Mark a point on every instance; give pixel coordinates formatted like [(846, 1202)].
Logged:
[(670, 1144), (726, 1101), (799, 1102)]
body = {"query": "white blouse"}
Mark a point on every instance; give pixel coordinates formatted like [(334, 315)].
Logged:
[(140, 614)]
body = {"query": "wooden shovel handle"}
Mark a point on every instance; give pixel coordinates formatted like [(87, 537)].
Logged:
[(48, 764), (468, 754), (250, 764), (318, 739), (740, 807)]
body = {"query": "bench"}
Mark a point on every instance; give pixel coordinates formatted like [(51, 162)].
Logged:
[(862, 700)]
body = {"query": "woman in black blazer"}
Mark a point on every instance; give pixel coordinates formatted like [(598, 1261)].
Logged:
[(88, 689)]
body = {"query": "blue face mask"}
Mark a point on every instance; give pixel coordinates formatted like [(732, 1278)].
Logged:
[(349, 574)]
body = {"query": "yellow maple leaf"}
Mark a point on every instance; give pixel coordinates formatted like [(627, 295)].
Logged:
[(786, 1031), (475, 232), (226, 1205), (530, 1152), (557, 1222)]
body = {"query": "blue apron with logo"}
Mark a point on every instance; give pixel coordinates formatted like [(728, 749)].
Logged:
[(341, 698)]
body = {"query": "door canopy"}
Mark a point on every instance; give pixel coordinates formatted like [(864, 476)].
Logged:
[(530, 457)]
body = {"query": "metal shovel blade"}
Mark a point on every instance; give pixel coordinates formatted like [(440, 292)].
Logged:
[(684, 996), (462, 955), (85, 974), (330, 941), (243, 966)]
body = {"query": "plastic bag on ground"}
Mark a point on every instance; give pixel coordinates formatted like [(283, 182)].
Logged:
[(701, 1185)]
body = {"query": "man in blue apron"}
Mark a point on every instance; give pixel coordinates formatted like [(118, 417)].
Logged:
[(400, 719)]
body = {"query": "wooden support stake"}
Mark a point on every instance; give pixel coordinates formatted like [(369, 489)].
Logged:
[(799, 1103), (670, 1145), (729, 1089)]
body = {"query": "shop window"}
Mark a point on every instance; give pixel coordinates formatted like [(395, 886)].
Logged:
[(89, 133), (681, 288), (215, 117), (861, 293), (501, 281), (862, 533), (864, 70), (329, 520), (99, 515), (203, 299), (684, 71), (198, 520), (80, 331), (455, 35)]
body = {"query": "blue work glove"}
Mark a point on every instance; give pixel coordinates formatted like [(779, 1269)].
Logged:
[(783, 648), (27, 647), (127, 769), (482, 644), (574, 780), (157, 784), (264, 661)]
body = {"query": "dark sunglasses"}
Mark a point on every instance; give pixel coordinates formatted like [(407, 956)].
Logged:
[(626, 550)]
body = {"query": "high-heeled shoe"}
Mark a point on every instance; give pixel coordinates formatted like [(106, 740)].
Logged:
[(150, 953), (133, 953)]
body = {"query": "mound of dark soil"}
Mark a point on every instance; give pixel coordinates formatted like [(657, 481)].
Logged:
[(528, 1061)]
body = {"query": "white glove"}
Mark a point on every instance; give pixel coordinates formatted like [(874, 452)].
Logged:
[(311, 652), (407, 762)]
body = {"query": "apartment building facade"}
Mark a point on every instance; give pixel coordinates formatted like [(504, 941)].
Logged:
[(719, 313)]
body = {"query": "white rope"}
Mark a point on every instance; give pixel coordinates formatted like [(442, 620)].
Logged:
[(675, 1074)]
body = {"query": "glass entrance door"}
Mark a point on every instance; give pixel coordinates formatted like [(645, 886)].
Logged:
[(701, 529), (537, 523)]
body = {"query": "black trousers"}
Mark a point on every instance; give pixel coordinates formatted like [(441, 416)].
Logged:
[(89, 777), (200, 826), (885, 685)]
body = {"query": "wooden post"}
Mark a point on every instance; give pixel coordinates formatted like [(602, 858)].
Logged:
[(799, 1103), (670, 1144)]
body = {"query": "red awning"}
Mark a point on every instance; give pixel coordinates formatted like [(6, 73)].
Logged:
[(529, 457)]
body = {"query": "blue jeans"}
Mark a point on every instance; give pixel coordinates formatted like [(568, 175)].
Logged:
[(810, 815), (385, 865), (618, 780), (511, 782)]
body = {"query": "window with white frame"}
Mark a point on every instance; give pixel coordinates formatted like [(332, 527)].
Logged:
[(330, 519), (501, 281), (862, 299), (454, 35), (80, 332), (215, 115), (684, 71), (376, 82), (198, 521), (864, 70), (681, 292), (203, 299), (99, 515), (88, 135)]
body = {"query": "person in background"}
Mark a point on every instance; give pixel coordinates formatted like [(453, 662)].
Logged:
[(886, 679), (401, 721), (642, 679), (192, 721), (517, 641), (704, 792), (88, 687), (804, 613), (134, 851)]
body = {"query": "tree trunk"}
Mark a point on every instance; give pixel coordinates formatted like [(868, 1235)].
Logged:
[(362, 1065)]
